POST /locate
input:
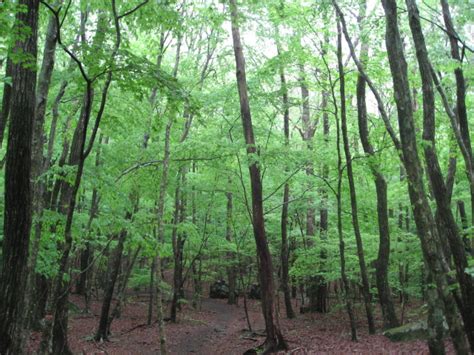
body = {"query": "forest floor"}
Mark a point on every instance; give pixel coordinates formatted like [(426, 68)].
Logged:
[(218, 328)]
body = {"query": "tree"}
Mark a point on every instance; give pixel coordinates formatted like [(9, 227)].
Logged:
[(274, 339), (17, 215)]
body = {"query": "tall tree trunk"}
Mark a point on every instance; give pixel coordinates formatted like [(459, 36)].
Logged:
[(427, 232), (353, 197), (274, 338), (345, 281), (384, 292), (438, 186), (17, 215), (286, 196)]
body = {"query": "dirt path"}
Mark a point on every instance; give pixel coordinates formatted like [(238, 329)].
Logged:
[(217, 328), (221, 321)]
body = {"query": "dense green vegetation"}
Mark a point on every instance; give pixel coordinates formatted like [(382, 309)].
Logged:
[(130, 154)]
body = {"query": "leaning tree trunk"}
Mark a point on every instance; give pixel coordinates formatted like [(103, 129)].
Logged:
[(17, 215), (430, 242), (384, 292), (353, 197), (274, 339), (438, 186)]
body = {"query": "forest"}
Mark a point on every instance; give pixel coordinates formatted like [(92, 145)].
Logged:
[(236, 176)]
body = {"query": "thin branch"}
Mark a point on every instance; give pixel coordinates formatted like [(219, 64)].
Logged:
[(132, 10)]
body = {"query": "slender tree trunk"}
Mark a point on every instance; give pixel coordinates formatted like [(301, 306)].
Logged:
[(384, 292), (160, 237), (353, 197), (231, 272), (17, 215), (323, 289), (114, 269), (121, 289), (427, 232), (274, 338), (286, 196), (345, 282)]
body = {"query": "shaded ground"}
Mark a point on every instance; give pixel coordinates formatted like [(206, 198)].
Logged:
[(218, 328)]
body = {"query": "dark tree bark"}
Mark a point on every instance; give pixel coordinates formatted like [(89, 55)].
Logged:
[(274, 339), (286, 196), (17, 215), (384, 292), (430, 242), (438, 186), (353, 196)]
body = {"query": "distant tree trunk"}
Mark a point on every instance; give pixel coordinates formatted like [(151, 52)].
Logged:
[(160, 209), (438, 186), (87, 253), (179, 240), (286, 196), (151, 292), (114, 269), (122, 287), (353, 197), (231, 272), (430, 242), (385, 296), (274, 338), (345, 282), (323, 289), (17, 213), (174, 301)]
